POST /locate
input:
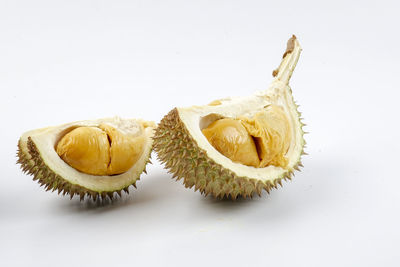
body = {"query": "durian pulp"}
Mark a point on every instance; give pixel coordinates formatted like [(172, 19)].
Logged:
[(101, 150), (231, 139), (259, 141)]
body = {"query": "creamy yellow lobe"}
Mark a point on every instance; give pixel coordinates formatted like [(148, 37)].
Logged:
[(231, 139), (259, 141), (102, 150)]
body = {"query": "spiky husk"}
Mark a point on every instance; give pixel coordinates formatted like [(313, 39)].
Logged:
[(32, 164), (185, 160)]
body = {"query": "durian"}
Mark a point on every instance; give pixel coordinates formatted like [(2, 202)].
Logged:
[(236, 147), (95, 158)]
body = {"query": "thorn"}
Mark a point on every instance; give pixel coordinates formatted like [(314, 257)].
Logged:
[(267, 189)]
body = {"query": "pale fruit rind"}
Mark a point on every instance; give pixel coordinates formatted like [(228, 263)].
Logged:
[(187, 154), (172, 142), (32, 162)]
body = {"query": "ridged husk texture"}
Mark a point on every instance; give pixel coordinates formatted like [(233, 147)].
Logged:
[(32, 163), (184, 159)]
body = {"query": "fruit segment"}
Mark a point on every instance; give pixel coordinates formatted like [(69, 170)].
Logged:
[(102, 150), (86, 149), (231, 139), (271, 131), (93, 158), (237, 146)]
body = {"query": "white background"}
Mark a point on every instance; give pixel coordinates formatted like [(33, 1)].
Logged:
[(62, 61)]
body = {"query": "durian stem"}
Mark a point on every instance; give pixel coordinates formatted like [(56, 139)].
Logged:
[(289, 61)]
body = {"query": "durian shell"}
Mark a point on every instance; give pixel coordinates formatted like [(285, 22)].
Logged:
[(184, 159), (31, 163)]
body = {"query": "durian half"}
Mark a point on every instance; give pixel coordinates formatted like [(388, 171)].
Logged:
[(236, 146), (93, 158)]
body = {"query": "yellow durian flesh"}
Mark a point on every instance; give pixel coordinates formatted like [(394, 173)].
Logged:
[(271, 130), (125, 149), (215, 103), (85, 149), (259, 141), (102, 150), (231, 139)]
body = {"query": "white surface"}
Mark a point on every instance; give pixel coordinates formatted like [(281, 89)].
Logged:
[(62, 61)]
